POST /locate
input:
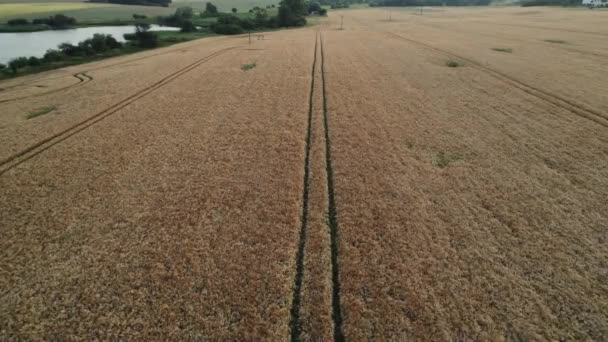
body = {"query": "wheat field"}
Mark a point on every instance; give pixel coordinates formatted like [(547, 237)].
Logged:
[(383, 175)]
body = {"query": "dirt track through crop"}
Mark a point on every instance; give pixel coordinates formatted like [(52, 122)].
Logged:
[(43, 145), (333, 216), (295, 324), (82, 77)]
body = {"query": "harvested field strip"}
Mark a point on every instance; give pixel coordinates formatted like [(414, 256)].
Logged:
[(556, 100), (45, 144), (295, 324), (82, 79), (333, 216)]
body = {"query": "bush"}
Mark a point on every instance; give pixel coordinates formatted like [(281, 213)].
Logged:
[(34, 61), (140, 16), (18, 21), (112, 43), (227, 24), (2, 66), (144, 37), (184, 12), (314, 7), (69, 49), (234, 10), (129, 36), (187, 26), (57, 21), (322, 11), (53, 55), (291, 13), (17, 63), (98, 43), (227, 29)]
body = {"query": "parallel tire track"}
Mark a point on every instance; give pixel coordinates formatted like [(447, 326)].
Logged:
[(41, 146), (295, 324), (333, 216), (82, 79), (569, 105)]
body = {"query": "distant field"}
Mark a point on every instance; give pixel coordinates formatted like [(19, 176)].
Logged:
[(32, 9), (95, 12)]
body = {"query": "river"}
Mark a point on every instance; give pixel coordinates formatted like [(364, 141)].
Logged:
[(36, 43)]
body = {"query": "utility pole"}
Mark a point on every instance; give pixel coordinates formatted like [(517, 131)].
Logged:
[(249, 37), (390, 15), (342, 22)]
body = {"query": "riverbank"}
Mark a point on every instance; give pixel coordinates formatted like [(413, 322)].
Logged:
[(165, 38)]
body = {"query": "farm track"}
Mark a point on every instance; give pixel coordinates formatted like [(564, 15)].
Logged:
[(41, 146), (333, 215), (561, 102), (295, 324), (42, 78), (519, 40), (82, 77)]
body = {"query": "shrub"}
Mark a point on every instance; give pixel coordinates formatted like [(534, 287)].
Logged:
[(129, 36), (260, 17), (97, 43), (291, 13), (227, 29), (112, 43), (2, 66), (17, 63), (69, 49), (248, 24), (314, 7), (187, 26), (53, 55), (34, 61), (322, 11), (140, 16), (452, 64), (144, 37), (57, 21), (184, 12), (234, 10), (18, 21)]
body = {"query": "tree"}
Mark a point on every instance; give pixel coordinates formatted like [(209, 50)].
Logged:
[(184, 12), (291, 13), (18, 21), (187, 26), (144, 37), (234, 10), (17, 63), (314, 7), (33, 61), (210, 11), (53, 55), (260, 17)]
